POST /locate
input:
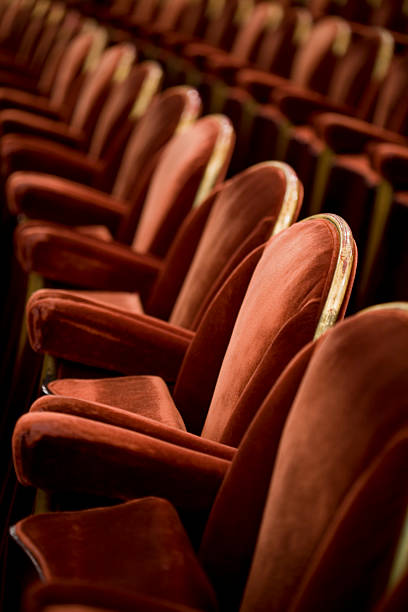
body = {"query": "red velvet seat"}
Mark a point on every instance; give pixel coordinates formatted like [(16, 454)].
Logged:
[(222, 382), (236, 218), (21, 130), (308, 515), (194, 161), (75, 53)]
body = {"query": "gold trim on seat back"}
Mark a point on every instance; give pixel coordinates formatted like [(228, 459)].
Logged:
[(219, 158), (341, 276)]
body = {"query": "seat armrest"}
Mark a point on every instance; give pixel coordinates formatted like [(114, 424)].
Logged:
[(391, 161), (349, 135), (95, 334), (225, 66), (22, 100), (62, 452), (259, 83), (131, 421), (74, 258), (22, 122), (298, 105), (43, 196)]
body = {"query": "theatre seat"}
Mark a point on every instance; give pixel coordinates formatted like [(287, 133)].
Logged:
[(309, 514), (236, 218), (20, 129), (223, 380), (125, 103)]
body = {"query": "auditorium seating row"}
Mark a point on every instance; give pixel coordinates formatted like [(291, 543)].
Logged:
[(185, 185)]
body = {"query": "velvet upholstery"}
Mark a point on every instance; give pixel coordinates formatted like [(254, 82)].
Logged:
[(78, 131), (312, 64), (267, 189), (175, 196), (96, 166), (46, 197), (249, 378), (70, 64), (320, 520)]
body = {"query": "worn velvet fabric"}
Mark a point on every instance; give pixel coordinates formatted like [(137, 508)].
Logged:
[(95, 167), (312, 64), (39, 458), (90, 99), (335, 505), (37, 195), (150, 574), (247, 199)]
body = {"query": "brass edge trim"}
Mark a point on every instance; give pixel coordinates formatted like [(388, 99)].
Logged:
[(100, 40), (192, 108), (342, 39), (302, 29), (376, 228), (243, 11), (384, 55), (386, 306), (341, 276), (125, 64), (217, 159), (400, 562), (149, 88), (274, 16), (56, 14), (290, 199), (214, 8), (40, 8)]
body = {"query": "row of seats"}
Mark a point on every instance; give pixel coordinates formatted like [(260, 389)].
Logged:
[(216, 439), (343, 90)]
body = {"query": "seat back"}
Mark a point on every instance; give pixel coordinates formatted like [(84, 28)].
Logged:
[(336, 487), (391, 103), (264, 15), (128, 97), (114, 64), (281, 40), (33, 31), (221, 22), (314, 62), (301, 285), (319, 444), (192, 163), (171, 14), (270, 189), (14, 20), (53, 46), (71, 65), (358, 76), (170, 112)]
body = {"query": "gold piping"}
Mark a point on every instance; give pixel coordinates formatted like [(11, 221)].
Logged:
[(387, 306), (384, 56), (40, 8), (342, 40), (191, 110), (217, 160), (99, 42), (341, 276), (125, 64), (302, 29), (148, 89), (244, 9), (214, 8), (290, 199), (56, 14)]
